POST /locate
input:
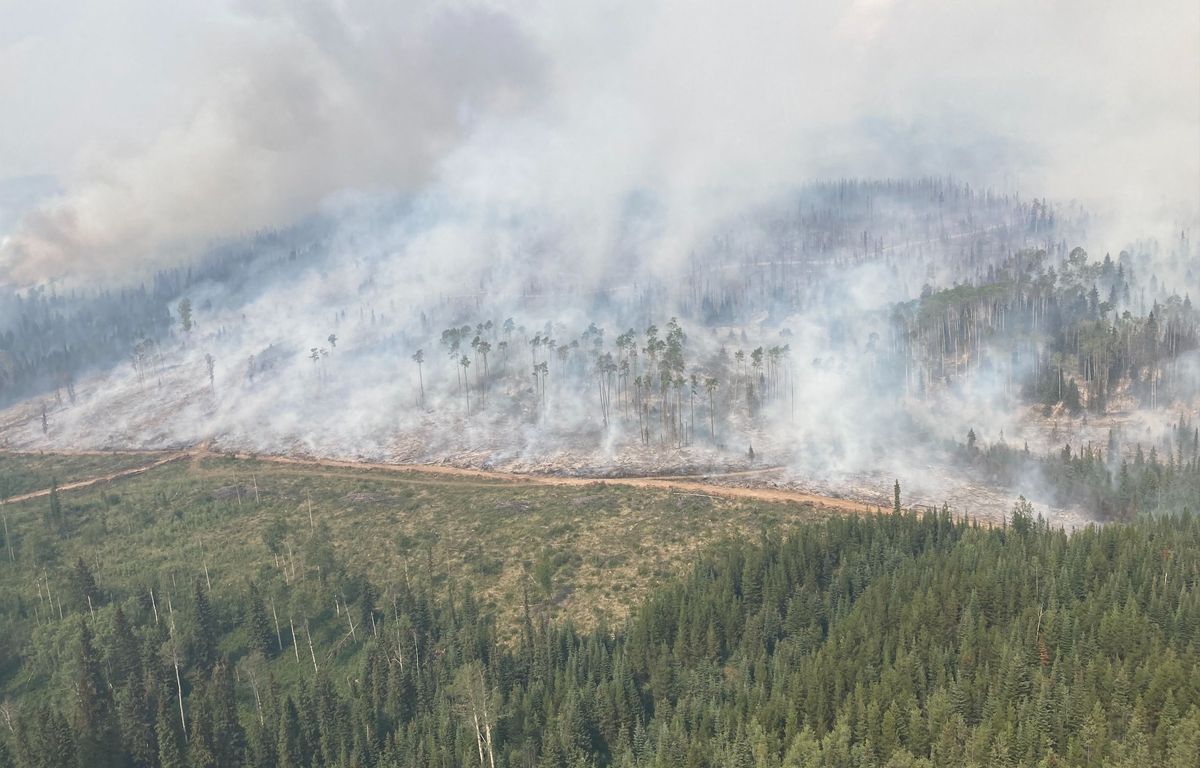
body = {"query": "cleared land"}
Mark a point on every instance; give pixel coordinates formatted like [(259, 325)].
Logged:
[(26, 473), (597, 545)]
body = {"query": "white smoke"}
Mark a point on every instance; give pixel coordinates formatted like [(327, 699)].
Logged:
[(563, 111)]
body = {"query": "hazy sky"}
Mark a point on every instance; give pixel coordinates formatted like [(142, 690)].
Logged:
[(167, 124)]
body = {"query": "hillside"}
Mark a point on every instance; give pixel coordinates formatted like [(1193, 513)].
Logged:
[(596, 548), (443, 618), (603, 384), (815, 333)]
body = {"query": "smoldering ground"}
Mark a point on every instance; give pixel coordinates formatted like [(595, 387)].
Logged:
[(779, 337)]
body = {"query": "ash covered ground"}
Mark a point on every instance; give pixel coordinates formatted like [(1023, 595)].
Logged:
[(834, 341), (176, 408)]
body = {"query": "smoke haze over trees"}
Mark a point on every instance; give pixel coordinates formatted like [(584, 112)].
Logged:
[(818, 326)]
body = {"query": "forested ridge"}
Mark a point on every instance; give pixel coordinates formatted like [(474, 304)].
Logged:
[(784, 258), (1113, 481), (599, 384), (1046, 325), (890, 640), (1030, 327), (50, 338)]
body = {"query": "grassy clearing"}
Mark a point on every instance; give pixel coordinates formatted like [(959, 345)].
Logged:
[(587, 552), (24, 472)]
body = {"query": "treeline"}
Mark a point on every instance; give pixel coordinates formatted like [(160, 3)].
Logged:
[(49, 339), (905, 640), (1073, 335), (1050, 324), (1112, 482), (1072, 331)]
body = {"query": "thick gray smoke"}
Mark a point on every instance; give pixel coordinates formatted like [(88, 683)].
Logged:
[(290, 104), (256, 112)]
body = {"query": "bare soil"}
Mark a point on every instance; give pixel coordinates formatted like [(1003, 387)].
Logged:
[(707, 484)]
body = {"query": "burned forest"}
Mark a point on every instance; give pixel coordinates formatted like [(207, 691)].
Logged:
[(811, 336)]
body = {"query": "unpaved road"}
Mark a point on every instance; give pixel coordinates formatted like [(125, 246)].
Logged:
[(699, 484), (168, 458)]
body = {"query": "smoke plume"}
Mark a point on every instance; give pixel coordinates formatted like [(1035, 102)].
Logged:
[(563, 113)]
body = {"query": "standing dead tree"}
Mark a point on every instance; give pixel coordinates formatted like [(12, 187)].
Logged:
[(419, 358), (211, 362), (478, 704)]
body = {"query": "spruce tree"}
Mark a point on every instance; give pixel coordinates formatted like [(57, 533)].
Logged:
[(135, 718), (203, 638), (229, 740), (54, 515), (262, 637), (288, 742), (83, 583), (99, 742), (202, 747), (166, 731), (58, 747), (125, 657)]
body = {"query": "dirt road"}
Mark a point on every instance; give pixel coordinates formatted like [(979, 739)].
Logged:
[(700, 484), (167, 459)]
